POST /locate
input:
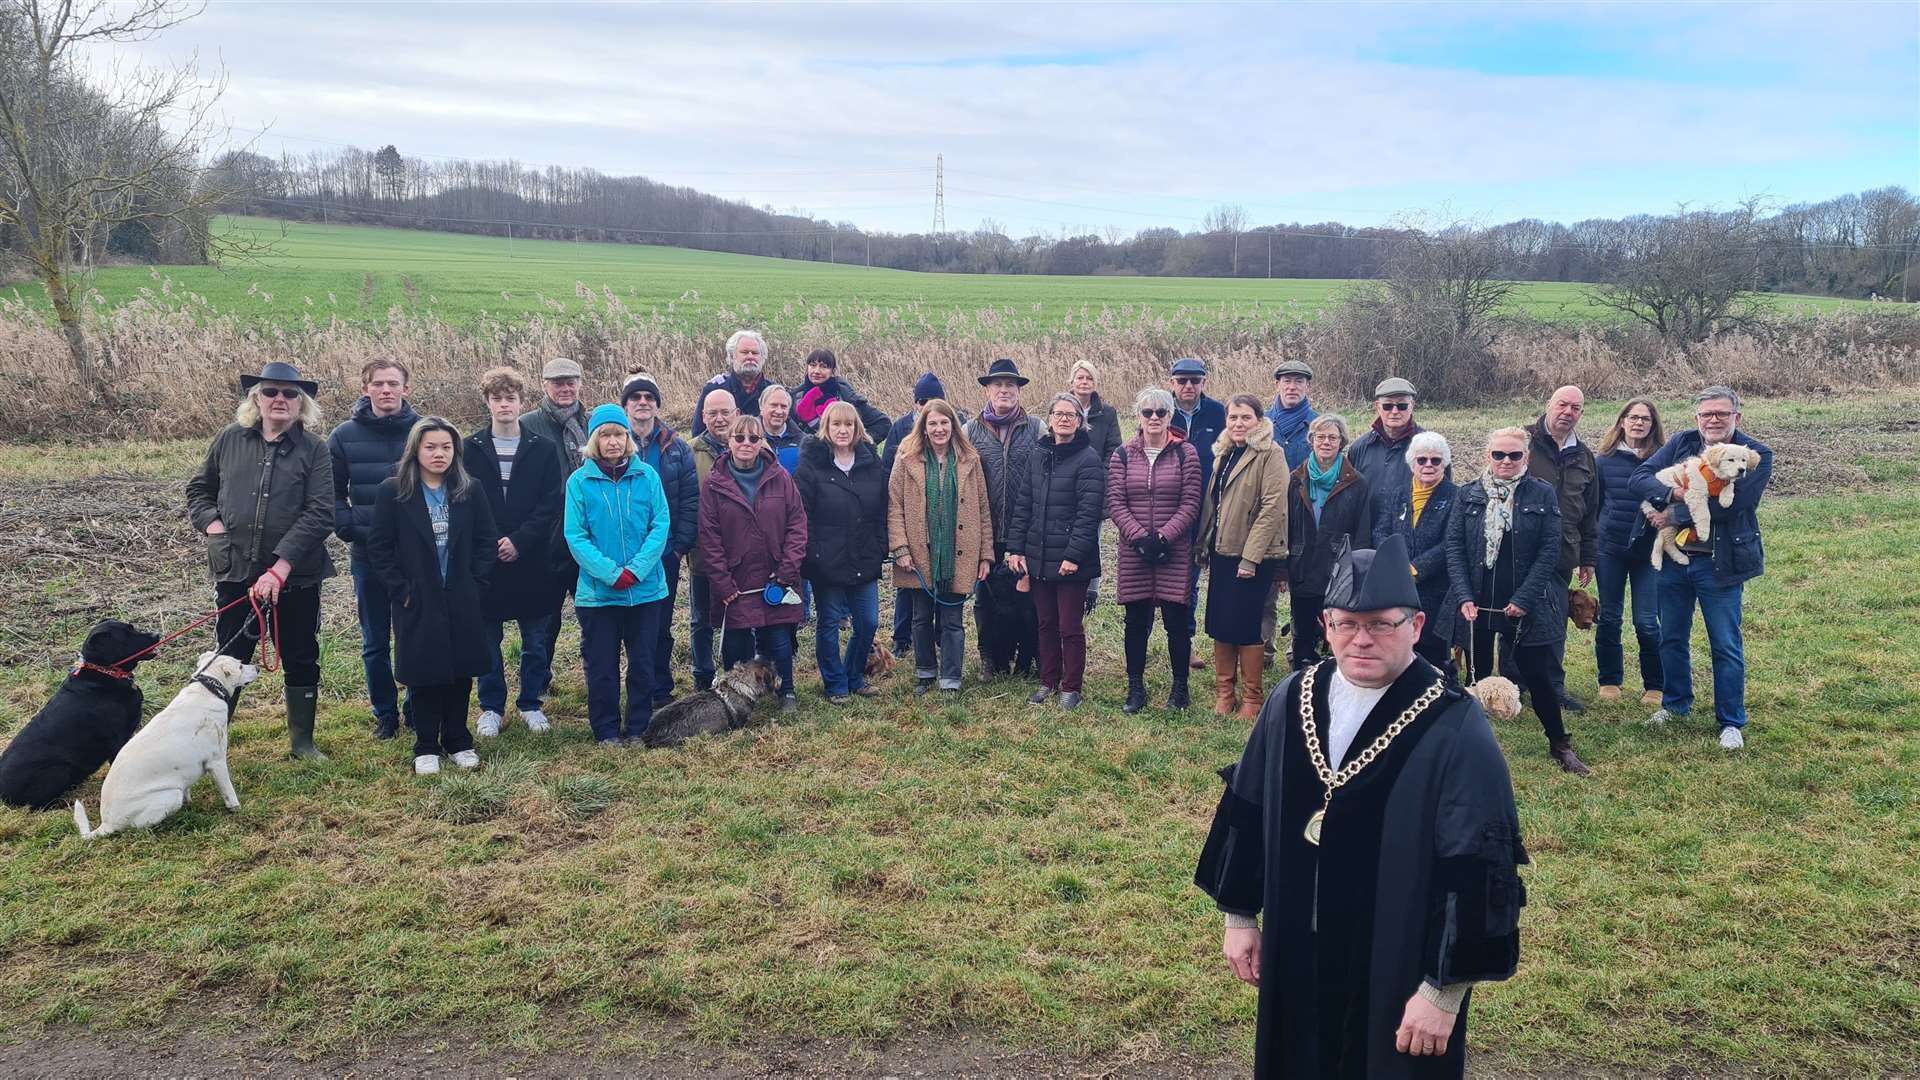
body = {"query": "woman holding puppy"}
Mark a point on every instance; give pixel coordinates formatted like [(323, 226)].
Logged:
[(433, 546), (1503, 549)]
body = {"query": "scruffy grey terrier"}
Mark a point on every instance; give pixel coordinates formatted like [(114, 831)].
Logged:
[(729, 705)]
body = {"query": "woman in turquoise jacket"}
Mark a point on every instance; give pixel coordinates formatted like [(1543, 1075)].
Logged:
[(617, 522)]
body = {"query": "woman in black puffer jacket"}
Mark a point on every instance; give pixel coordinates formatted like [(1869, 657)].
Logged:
[(1055, 541), (844, 489)]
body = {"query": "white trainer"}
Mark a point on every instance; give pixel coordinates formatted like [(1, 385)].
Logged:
[(488, 725), (1731, 739), (467, 759), (426, 765), (1659, 718), (536, 721)]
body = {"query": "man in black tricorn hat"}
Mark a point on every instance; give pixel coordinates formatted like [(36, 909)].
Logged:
[(1371, 824)]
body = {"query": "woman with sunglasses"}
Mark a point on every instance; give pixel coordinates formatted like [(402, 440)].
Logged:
[(264, 499), (1153, 497), (753, 537), (1243, 545), (1635, 435), (1503, 554), (1421, 512), (1329, 506)]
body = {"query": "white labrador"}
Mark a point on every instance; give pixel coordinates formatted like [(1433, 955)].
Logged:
[(186, 740)]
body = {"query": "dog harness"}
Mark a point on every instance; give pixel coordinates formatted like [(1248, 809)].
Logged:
[(1714, 485)]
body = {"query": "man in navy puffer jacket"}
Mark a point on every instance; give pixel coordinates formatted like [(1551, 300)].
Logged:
[(364, 450)]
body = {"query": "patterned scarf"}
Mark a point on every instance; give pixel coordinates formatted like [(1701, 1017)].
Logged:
[(1499, 512), (571, 423), (943, 517)]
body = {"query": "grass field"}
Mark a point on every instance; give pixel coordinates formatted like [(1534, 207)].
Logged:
[(991, 868), (359, 273)]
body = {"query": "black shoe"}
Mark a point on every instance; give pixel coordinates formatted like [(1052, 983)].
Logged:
[(386, 727), (789, 702), (1136, 698), (925, 686), (1039, 696), (703, 682), (1070, 700), (901, 652), (1177, 698), (1569, 703)]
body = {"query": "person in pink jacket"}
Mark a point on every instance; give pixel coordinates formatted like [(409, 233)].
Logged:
[(1153, 497)]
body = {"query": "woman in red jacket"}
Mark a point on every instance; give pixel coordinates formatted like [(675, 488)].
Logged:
[(753, 536)]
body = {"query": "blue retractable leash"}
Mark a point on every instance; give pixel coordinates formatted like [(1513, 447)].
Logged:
[(933, 594)]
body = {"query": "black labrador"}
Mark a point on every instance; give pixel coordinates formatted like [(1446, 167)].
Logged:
[(1008, 628), (89, 719)]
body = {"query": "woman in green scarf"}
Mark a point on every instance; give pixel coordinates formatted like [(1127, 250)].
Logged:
[(940, 535), (1328, 505)]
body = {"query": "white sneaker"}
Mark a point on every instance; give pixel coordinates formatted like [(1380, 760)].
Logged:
[(426, 765), (536, 721), (1731, 739), (467, 759), (1659, 718), (488, 725)]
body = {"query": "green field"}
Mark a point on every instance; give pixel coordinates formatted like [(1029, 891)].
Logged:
[(892, 873), (360, 273)]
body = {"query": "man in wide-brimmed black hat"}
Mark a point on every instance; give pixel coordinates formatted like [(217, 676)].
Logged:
[(264, 499), (1371, 816), (1004, 435)]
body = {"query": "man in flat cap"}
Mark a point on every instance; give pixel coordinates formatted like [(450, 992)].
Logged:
[(1381, 454), (1371, 825)]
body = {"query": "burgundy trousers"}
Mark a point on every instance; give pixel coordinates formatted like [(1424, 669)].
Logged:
[(1060, 608)]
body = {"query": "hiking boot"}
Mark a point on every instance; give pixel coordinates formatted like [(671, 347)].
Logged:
[(1136, 697), (1177, 697), (385, 727), (1039, 697), (302, 702), (1561, 751)]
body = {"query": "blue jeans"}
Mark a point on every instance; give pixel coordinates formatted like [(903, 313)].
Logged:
[(375, 605), (604, 631), (902, 621), (663, 645), (843, 673), (1680, 588), (1614, 574), (701, 624), (771, 643), (536, 666)]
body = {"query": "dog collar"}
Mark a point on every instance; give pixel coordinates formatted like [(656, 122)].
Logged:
[(219, 691), (110, 672)]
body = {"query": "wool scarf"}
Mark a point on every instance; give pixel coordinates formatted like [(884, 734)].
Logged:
[(1420, 496), (1290, 422), (1320, 482), (943, 517), (1001, 423), (1499, 513), (571, 423)]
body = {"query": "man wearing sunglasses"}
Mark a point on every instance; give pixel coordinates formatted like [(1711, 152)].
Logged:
[(1199, 419), (1381, 454), (1562, 460), (1718, 571)]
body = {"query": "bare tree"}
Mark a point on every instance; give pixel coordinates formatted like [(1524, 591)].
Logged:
[(78, 159), (1453, 273), (1689, 276), (1229, 218)]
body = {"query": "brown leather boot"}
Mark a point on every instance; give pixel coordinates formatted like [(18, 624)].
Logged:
[(1224, 660), (1561, 751), (1253, 663)]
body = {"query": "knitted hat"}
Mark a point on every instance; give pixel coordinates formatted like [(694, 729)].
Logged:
[(637, 382), (608, 414), (928, 388)]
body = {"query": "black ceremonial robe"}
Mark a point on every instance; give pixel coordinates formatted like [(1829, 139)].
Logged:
[(1415, 878)]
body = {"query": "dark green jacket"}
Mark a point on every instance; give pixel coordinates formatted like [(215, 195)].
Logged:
[(275, 499)]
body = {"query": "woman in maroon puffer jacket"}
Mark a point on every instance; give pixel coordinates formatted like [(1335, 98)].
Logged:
[(1153, 497), (753, 534)]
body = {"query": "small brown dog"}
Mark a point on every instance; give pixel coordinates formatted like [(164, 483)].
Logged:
[(879, 662), (1582, 608)]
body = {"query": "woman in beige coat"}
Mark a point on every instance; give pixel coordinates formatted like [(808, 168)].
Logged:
[(940, 537), (1243, 545)]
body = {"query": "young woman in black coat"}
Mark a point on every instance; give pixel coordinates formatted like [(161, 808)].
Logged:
[(844, 489), (1055, 541), (519, 471), (434, 545)]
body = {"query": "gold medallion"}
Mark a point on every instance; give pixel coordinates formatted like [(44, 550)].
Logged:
[(1313, 827)]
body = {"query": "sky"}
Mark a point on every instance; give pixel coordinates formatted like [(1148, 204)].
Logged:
[(1086, 117)]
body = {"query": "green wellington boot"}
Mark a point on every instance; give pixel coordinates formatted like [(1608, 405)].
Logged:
[(302, 702)]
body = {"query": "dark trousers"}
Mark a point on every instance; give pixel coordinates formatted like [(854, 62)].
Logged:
[(1436, 651), (375, 608), (772, 643), (604, 632), (902, 621), (1534, 665), (1060, 607), (1175, 618), (298, 611), (663, 643), (440, 718), (700, 623), (1307, 633)]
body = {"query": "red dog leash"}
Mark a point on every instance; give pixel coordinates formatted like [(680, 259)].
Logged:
[(269, 621)]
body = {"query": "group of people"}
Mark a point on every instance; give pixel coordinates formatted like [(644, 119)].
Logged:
[(781, 508)]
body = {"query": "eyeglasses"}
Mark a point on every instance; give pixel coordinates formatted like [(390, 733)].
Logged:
[(1395, 406), (1506, 455), (1065, 415), (1190, 380), (1153, 414), (279, 392), (1429, 461), (643, 397), (1715, 415), (746, 438), (1374, 627), (1636, 419)]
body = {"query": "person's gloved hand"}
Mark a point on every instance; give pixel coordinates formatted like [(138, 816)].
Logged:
[(626, 580)]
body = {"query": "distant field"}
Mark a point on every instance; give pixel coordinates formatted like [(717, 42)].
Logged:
[(359, 273)]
